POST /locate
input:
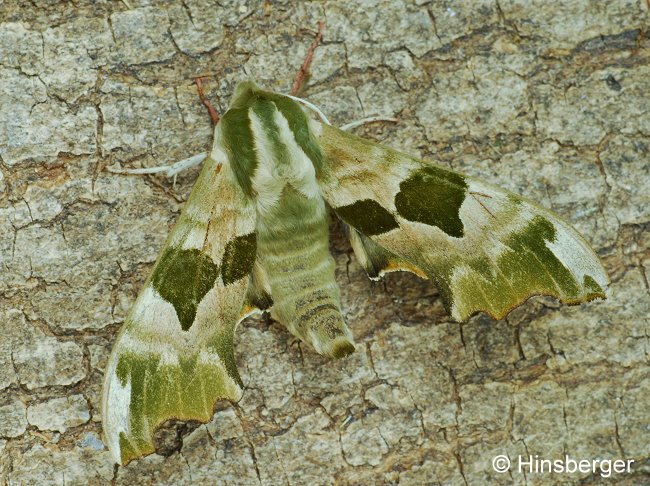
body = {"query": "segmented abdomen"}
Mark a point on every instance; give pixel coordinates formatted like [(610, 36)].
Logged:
[(293, 249)]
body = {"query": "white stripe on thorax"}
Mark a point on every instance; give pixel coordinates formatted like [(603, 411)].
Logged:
[(271, 177)]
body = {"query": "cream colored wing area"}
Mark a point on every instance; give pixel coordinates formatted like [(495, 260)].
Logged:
[(487, 249), (375, 259), (174, 357)]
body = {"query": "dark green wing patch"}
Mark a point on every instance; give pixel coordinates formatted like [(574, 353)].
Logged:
[(238, 258), (182, 278), (368, 216), (433, 196)]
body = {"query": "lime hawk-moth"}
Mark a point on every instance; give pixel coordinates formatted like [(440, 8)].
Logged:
[(254, 236)]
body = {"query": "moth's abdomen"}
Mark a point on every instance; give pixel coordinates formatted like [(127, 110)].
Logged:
[(293, 249)]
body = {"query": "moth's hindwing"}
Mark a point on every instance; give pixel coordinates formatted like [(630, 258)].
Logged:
[(174, 357), (487, 249)]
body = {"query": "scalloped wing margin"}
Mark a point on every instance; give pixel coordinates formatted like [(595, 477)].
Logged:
[(486, 248), (174, 357)]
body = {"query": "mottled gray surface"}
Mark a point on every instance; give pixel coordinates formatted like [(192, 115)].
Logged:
[(548, 99)]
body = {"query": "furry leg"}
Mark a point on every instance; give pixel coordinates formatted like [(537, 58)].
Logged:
[(169, 170), (364, 121)]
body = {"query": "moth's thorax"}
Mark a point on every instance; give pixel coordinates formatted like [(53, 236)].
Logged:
[(280, 161), (269, 142)]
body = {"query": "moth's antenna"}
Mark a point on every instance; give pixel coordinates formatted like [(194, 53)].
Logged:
[(310, 106), (214, 116), (304, 71)]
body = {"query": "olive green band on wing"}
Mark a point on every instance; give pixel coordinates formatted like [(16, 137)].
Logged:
[(528, 266), (187, 390)]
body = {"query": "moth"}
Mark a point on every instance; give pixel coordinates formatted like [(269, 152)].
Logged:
[(254, 236)]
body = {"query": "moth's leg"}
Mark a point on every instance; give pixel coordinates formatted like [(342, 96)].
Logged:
[(364, 121), (169, 170), (304, 68), (174, 169)]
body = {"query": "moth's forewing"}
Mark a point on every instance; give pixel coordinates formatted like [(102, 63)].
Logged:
[(174, 356), (487, 249)]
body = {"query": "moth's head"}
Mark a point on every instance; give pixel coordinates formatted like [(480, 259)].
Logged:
[(247, 93)]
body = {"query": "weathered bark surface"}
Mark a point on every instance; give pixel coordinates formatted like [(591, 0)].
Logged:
[(548, 99)]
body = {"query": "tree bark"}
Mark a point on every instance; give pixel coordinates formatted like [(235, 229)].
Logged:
[(547, 99)]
